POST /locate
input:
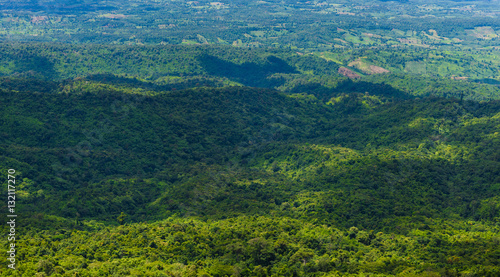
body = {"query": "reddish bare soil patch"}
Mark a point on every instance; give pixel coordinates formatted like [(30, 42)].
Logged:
[(378, 70), (114, 16), (37, 19), (348, 73)]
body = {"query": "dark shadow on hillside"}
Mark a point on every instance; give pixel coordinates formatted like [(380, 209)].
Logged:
[(29, 65), (28, 84), (488, 81), (249, 74), (57, 7), (188, 82), (348, 86)]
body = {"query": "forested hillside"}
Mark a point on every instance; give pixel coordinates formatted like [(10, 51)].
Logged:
[(250, 138), (169, 67), (125, 179)]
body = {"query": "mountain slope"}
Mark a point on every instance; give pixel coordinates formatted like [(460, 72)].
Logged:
[(90, 156)]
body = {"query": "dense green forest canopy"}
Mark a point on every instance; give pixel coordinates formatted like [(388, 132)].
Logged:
[(250, 138), (338, 183), (167, 67)]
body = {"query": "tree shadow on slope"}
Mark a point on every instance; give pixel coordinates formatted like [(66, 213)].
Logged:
[(57, 7), (28, 84), (348, 86), (248, 74), (33, 66), (186, 83)]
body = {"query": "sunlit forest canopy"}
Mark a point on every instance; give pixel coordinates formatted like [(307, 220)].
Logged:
[(250, 138)]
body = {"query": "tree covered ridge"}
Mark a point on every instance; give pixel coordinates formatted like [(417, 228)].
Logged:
[(263, 246), (89, 151), (167, 67)]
